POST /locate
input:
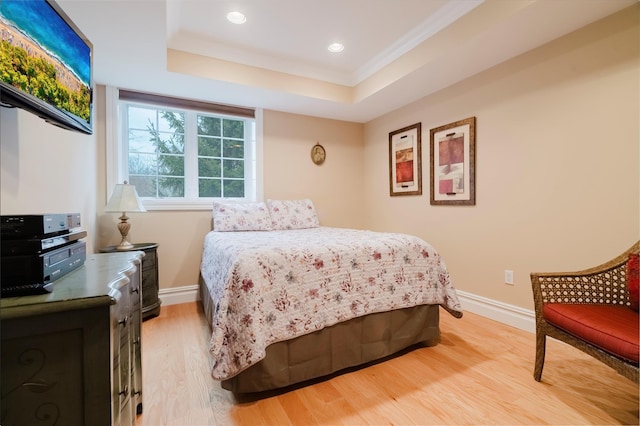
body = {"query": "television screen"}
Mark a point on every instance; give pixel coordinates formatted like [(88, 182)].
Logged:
[(45, 63)]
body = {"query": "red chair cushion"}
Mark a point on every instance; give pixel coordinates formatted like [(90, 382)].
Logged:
[(633, 280), (614, 329)]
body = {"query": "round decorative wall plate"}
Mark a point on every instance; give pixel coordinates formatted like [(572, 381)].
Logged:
[(318, 154)]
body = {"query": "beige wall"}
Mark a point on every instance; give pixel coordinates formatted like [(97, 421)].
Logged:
[(558, 180), (335, 186), (289, 173), (557, 169), (45, 169)]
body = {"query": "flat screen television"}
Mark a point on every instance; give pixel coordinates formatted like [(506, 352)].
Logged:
[(45, 64)]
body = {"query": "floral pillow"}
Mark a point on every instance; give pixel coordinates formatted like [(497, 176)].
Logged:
[(241, 217), (292, 214)]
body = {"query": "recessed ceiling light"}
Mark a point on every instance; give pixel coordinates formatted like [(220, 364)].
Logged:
[(336, 47), (236, 17)]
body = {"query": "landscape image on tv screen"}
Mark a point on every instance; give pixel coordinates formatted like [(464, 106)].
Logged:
[(42, 55)]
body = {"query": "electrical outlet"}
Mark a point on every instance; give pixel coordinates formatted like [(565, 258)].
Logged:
[(508, 277)]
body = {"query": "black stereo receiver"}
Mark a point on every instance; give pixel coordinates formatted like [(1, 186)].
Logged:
[(37, 225), (36, 250), (37, 245), (37, 271)]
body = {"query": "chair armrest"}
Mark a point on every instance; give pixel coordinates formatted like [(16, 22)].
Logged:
[(603, 284)]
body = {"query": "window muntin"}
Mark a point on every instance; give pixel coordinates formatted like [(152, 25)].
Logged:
[(221, 157), (156, 151), (182, 154)]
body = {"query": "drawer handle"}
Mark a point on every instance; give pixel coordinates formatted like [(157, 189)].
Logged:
[(38, 387), (135, 290), (123, 321)]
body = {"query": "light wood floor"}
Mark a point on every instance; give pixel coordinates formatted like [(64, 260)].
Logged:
[(480, 373)]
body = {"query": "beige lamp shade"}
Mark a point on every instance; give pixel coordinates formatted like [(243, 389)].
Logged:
[(124, 199)]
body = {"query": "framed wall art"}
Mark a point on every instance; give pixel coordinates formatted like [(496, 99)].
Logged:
[(405, 161), (453, 156), (318, 154)]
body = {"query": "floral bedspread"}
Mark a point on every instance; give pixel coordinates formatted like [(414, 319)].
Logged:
[(270, 286)]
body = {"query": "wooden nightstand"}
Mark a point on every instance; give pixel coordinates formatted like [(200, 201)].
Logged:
[(150, 286)]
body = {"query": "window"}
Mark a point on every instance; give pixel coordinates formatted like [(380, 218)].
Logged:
[(184, 154)]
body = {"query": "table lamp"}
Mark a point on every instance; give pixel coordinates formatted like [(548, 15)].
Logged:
[(124, 199)]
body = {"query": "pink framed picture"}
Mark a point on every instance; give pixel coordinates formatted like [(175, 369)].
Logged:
[(453, 154), (405, 161)]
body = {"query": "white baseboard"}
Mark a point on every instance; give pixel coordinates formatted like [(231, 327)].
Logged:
[(514, 316), (524, 319), (177, 295)]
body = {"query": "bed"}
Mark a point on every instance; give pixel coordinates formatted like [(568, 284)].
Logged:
[(289, 300)]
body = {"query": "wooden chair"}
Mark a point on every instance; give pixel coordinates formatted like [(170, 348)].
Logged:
[(602, 285)]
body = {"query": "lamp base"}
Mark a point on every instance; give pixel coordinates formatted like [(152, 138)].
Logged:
[(124, 246), (124, 228)]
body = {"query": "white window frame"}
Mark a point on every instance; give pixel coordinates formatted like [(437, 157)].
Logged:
[(117, 161)]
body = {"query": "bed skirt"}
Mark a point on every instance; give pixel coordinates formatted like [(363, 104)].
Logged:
[(348, 344)]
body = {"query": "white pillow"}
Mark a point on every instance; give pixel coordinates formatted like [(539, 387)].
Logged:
[(241, 217), (292, 214)]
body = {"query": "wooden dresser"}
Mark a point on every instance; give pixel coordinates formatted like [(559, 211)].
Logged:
[(73, 357)]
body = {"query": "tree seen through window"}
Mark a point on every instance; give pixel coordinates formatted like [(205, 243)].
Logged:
[(158, 155)]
